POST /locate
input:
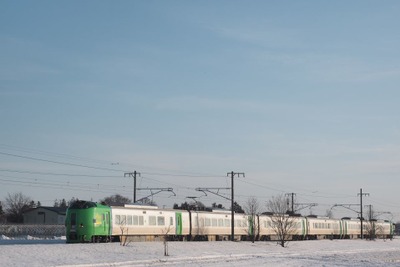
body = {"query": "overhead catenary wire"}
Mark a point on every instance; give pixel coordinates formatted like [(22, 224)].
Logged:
[(154, 176)]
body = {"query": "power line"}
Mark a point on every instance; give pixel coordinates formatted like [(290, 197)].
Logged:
[(105, 168), (56, 186), (59, 162), (51, 182), (62, 155), (60, 174)]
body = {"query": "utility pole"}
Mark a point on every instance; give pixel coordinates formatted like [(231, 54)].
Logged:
[(361, 194), (133, 174), (370, 212), (292, 194), (232, 174)]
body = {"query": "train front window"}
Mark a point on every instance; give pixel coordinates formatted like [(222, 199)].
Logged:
[(73, 219)]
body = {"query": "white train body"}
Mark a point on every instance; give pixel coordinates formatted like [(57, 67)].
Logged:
[(150, 223)]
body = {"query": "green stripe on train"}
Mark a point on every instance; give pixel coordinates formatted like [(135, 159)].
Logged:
[(178, 218)]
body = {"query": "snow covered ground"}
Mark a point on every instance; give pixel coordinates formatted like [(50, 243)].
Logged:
[(31, 252)]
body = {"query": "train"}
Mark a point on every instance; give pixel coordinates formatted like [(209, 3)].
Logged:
[(88, 221)]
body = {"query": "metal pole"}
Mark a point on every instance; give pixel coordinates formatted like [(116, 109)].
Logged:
[(133, 174), (361, 212), (232, 209), (134, 187), (233, 203)]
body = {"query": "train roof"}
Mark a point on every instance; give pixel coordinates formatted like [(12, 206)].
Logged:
[(83, 204), (140, 206)]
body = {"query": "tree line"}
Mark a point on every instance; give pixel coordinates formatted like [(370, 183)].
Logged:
[(15, 205)]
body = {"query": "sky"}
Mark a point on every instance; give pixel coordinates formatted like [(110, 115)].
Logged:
[(300, 96)]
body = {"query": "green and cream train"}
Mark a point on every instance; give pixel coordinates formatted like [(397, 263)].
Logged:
[(88, 221)]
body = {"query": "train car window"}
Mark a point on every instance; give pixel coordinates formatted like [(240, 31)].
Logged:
[(135, 220), (117, 219), (152, 220), (160, 220), (171, 221), (220, 222), (123, 219), (208, 222), (214, 222), (129, 219), (141, 220), (227, 222)]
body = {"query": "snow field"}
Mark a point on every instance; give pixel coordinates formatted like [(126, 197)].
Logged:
[(31, 252)]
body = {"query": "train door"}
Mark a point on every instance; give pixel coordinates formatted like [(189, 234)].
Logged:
[(251, 225), (344, 229), (178, 218), (106, 223), (71, 227), (304, 227)]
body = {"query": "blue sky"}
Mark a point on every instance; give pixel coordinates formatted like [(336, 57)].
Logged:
[(301, 96)]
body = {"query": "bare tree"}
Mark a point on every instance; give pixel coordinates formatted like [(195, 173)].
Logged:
[(2, 214), (252, 209), (148, 201), (283, 225), (329, 213), (371, 227), (115, 200), (124, 238), (62, 203), (15, 205), (165, 239), (217, 206)]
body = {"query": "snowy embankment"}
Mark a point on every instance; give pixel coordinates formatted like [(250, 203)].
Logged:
[(55, 252)]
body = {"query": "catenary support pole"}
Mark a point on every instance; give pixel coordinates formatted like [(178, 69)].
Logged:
[(133, 174), (232, 174), (361, 194)]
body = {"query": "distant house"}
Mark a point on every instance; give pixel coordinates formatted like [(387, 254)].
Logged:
[(45, 215)]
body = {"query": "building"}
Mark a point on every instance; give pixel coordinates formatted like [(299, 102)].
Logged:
[(45, 215)]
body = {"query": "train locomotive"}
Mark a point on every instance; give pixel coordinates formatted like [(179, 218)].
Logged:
[(88, 221)]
